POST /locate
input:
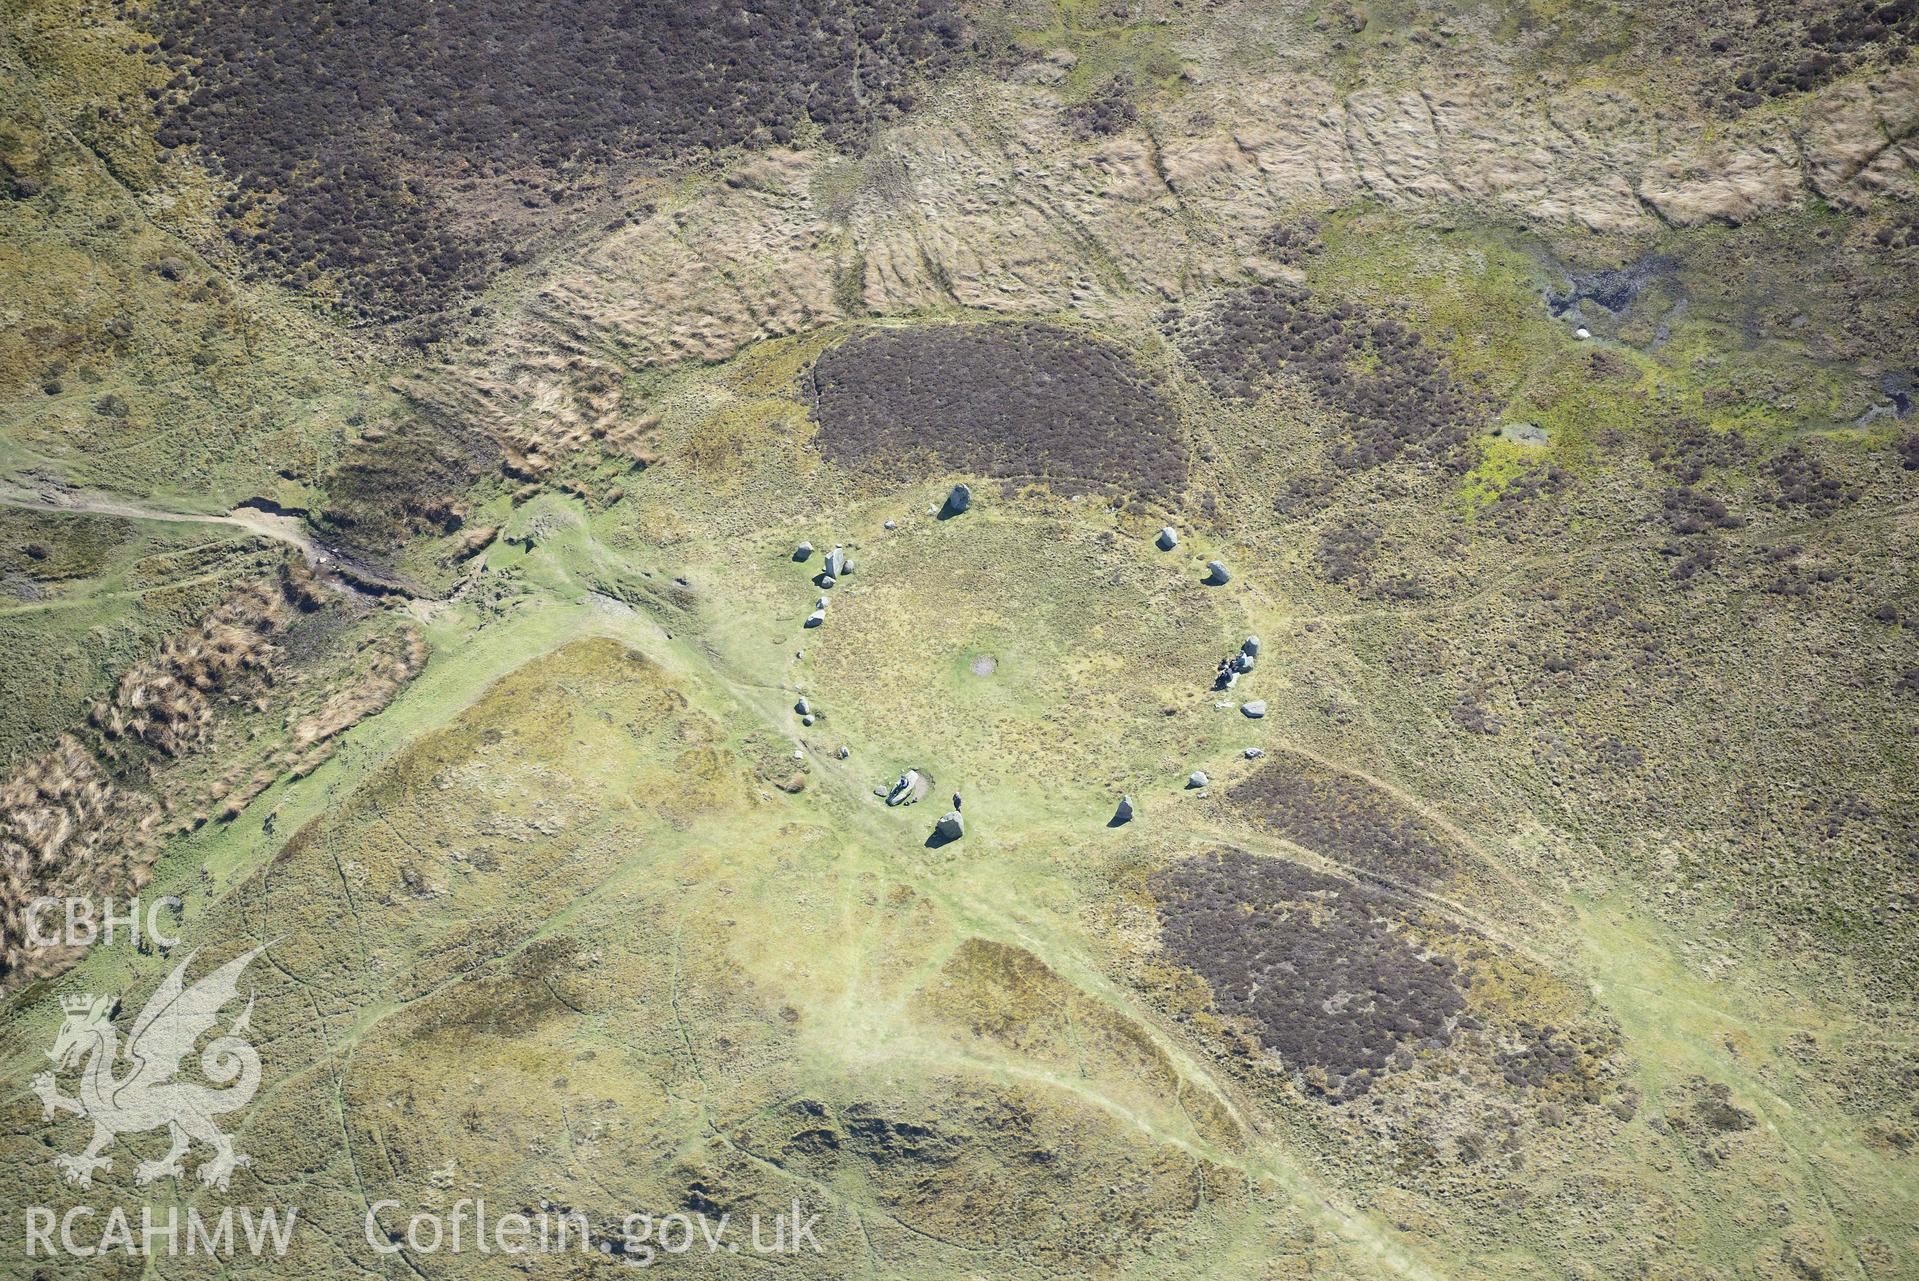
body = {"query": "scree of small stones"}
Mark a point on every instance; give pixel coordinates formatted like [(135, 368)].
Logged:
[(1007, 399), (1323, 971)]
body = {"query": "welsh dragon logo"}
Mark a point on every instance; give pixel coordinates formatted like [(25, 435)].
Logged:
[(147, 1097)]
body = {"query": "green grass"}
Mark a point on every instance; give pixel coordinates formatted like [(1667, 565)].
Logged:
[(1103, 47), (550, 925)]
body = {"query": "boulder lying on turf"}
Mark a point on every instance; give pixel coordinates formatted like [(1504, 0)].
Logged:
[(908, 789)]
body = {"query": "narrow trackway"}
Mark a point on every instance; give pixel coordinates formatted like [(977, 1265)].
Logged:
[(338, 569)]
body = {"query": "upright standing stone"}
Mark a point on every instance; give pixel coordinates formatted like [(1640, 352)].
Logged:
[(1167, 540)]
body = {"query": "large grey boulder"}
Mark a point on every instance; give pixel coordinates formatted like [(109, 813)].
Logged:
[(1217, 574), (803, 707), (836, 562), (803, 552), (1167, 540), (816, 618), (1254, 709), (906, 790), (1197, 778), (1124, 814), (950, 827), (1254, 753), (958, 501), (1251, 647)]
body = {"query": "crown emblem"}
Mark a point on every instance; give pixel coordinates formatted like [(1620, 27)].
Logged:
[(147, 1095)]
